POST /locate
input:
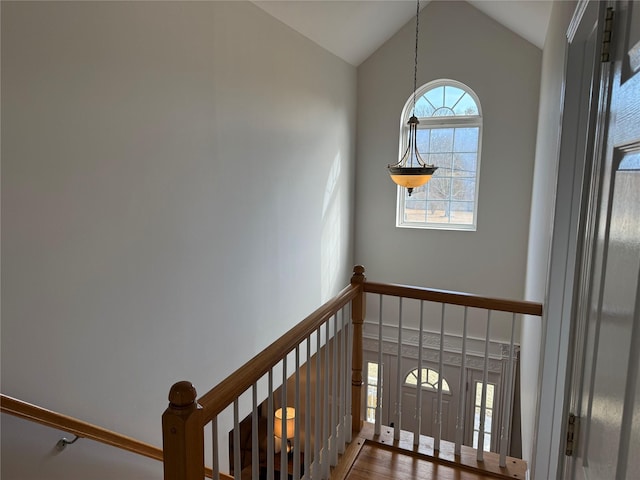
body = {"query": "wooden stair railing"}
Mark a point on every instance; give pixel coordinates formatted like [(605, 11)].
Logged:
[(28, 411), (509, 348), (187, 415), (455, 298), (185, 418)]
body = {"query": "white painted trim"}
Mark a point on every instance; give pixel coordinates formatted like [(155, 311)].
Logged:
[(581, 7), (557, 349), (431, 340), (498, 351)]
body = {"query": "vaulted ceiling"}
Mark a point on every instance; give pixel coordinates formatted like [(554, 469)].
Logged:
[(354, 29)]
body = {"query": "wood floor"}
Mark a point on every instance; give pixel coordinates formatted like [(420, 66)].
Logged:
[(371, 457), (378, 463)]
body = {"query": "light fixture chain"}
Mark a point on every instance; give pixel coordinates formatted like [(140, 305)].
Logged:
[(415, 60), (404, 173)]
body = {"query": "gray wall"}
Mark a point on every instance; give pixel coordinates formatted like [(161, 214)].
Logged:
[(542, 206), (461, 43), (152, 228)]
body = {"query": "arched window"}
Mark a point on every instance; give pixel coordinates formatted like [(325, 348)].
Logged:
[(449, 136), (428, 379)]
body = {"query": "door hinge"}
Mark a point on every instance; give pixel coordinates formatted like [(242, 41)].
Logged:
[(606, 36), (573, 424)]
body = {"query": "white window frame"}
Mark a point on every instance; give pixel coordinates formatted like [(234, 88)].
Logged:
[(439, 122)]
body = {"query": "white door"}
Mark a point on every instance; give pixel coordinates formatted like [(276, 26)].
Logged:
[(605, 392), (428, 411)]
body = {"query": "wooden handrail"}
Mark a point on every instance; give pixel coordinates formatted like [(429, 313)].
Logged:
[(49, 418), (454, 298), (186, 415), (52, 419), (217, 399)]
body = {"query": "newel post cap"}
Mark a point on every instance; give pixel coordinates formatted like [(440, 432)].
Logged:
[(358, 274), (182, 395)]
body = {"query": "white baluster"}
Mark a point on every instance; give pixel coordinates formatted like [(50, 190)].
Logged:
[(284, 460), (378, 426), (349, 358), (418, 411), (438, 432), (270, 441), (462, 388), (399, 377), (237, 463), (307, 414), (483, 402), (508, 401), (334, 394), (296, 420), (317, 432), (214, 443), (326, 412), (255, 446)]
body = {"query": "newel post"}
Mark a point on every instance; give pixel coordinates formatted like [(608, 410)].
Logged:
[(357, 318), (182, 435)]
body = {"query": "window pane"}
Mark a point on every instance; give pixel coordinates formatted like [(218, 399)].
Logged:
[(443, 161), (466, 106), (415, 203), (442, 140), (452, 95), (487, 420), (466, 140), (371, 396), (422, 138), (372, 390), (416, 212), (462, 213), (463, 189), (465, 164), (372, 373), (419, 193), (371, 415), (439, 188), (412, 379), (438, 211), (490, 391), (423, 108), (435, 97), (478, 401)]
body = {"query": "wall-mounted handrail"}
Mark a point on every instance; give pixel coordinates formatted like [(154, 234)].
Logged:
[(454, 298), (52, 419), (80, 429)]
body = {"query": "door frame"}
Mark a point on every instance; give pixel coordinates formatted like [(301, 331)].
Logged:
[(575, 192)]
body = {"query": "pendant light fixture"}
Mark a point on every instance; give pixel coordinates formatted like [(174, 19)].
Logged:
[(412, 171)]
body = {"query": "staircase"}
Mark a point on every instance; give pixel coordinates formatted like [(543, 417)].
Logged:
[(317, 371)]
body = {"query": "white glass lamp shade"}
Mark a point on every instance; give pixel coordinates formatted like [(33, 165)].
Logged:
[(289, 417)]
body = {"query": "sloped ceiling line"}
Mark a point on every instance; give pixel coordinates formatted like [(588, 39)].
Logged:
[(333, 24)]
